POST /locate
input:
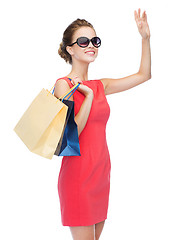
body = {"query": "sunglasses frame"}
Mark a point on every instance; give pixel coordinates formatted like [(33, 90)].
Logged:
[(90, 40)]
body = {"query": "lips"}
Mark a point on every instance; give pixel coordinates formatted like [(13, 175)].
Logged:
[(90, 52)]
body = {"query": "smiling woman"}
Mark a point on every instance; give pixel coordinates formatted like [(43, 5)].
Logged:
[(84, 181)]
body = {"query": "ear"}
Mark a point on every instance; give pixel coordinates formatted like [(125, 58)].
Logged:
[(69, 50)]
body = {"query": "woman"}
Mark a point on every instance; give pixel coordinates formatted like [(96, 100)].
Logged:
[(84, 181)]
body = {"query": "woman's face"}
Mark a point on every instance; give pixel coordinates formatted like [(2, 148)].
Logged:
[(87, 54)]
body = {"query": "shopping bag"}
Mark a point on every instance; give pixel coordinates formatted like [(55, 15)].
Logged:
[(43, 123), (69, 146)]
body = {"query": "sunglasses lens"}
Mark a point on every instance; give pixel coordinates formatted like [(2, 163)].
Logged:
[(83, 42), (96, 42)]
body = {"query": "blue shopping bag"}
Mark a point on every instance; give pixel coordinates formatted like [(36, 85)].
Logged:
[(69, 142)]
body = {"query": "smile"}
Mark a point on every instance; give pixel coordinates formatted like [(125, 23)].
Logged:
[(90, 52)]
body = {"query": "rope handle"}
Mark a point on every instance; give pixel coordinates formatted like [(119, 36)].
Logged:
[(69, 93)]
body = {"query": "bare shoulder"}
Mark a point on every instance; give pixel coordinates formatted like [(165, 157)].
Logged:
[(61, 87)]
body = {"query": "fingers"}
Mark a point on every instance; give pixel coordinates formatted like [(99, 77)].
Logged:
[(143, 15), (137, 15), (139, 12)]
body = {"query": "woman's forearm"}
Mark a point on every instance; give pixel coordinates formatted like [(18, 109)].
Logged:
[(83, 114), (145, 65)]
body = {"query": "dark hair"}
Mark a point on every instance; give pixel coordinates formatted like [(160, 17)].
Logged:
[(68, 35)]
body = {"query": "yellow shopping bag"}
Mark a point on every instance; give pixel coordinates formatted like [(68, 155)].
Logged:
[(42, 125)]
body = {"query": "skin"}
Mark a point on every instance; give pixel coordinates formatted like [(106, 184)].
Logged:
[(81, 58)]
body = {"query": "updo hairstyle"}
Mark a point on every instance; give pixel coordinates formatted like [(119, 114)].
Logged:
[(68, 35)]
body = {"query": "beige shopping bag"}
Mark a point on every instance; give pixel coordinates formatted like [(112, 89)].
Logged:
[(41, 126)]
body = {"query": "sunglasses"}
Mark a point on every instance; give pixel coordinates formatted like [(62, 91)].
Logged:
[(84, 42)]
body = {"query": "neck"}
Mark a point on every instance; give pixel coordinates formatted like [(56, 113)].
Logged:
[(79, 70)]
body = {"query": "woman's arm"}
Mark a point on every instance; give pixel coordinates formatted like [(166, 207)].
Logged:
[(144, 73), (83, 114)]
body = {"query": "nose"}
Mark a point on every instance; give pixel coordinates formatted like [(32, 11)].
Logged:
[(90, 45)]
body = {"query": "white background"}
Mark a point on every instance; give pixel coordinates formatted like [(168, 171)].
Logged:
[(144, 130)]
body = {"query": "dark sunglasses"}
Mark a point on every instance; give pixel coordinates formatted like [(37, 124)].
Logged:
[(84, 42)]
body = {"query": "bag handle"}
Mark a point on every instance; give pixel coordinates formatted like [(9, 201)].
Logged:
[(53, 88), (68, 94)]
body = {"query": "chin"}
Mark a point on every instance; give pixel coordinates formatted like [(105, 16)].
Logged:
[(86, 59), (90, 59)]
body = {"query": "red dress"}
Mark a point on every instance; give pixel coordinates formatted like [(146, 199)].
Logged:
[(84, 181)]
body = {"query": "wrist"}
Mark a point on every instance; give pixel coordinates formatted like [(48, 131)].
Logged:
[(146, 39), (90, 95)]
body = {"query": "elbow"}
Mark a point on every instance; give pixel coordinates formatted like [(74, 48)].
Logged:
[(149, 76), (145, 77)]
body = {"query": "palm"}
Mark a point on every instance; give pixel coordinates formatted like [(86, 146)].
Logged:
[(142, 24)]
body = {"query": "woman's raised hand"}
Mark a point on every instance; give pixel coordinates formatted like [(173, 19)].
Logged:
[(142, 24)]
